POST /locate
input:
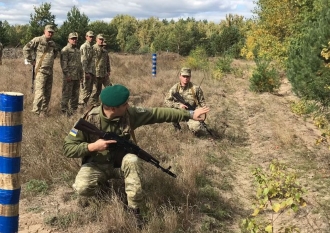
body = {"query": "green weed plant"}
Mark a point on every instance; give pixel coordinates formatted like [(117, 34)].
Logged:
[(277, 193), (37, 187)]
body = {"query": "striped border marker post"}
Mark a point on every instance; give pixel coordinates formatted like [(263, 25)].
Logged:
[(154, 63), (11, 114)]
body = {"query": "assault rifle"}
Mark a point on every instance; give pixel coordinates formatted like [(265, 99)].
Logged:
[(179, 98), (33, 78), (129, 147)]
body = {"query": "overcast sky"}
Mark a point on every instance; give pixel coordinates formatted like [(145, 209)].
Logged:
[(18, 12)]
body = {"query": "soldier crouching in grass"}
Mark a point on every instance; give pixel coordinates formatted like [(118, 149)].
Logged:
[(191, 94), (115, 115)]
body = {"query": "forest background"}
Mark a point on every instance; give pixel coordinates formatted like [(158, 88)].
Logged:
[(293, 33)]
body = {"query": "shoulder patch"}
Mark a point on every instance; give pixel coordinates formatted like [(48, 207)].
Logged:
[(73, 132)]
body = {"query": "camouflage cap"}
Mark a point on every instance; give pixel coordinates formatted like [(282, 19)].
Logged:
[(90, 33), (73, 35), (99, 36), (185, 71), (49, 28)]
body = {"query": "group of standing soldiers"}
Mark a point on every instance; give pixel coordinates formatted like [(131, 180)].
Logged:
[(85, 70)]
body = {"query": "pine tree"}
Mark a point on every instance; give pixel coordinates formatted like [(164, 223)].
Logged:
[(306, 68)]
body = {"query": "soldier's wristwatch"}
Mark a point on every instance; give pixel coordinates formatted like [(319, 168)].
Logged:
[(191, 112)]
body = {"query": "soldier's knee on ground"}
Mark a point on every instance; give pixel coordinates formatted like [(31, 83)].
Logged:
[(84, 189)]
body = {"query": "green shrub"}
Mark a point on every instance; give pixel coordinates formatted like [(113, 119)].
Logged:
[(265, 78), (197, 59)]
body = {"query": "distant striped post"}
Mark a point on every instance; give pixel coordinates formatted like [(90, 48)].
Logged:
[(11, 114), (154, 64)]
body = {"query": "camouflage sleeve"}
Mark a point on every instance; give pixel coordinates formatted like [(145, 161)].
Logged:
[(75, 144), (84, 60), (57, 49), (147, 116), (169, 101), (200, 97), (108, 64), (64, 62), (29, 49)]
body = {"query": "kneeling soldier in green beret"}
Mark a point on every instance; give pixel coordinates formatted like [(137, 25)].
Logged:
[(98, 166)]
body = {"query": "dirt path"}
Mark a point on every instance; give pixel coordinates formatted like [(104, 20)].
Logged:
[(274, 132)]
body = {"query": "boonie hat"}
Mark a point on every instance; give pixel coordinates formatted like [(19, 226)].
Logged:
[(114, 96), (185, 71), (90, 33), (73, 35), (49, 28)]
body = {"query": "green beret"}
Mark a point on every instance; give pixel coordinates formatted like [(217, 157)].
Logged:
[(114, 96)]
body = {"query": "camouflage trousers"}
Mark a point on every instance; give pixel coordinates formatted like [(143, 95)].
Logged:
[(92, 177), (99, 81), (70, 95), (194, 125), (86, 90), (42, 92)]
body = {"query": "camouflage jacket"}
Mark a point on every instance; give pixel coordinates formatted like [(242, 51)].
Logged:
[(75, 144), (36, 48), (71, 62), (100, 61), (87, 58), (107, 61), (191, 93), (1, 48)]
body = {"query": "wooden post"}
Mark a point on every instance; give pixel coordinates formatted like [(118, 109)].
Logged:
[(11, 115)]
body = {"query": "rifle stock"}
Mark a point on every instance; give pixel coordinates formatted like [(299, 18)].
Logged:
[(87, 127)]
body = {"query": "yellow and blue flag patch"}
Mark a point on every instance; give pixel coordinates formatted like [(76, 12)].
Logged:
[(73, 132)]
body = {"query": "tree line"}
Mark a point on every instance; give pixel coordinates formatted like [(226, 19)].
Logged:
[(293, 33), (125, 33)]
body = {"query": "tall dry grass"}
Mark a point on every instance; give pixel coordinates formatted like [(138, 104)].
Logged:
[(188, 203)]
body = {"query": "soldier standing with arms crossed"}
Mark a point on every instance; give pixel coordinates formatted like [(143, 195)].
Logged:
[(88, 65), (100, 68), (72, 73), (44, 49)]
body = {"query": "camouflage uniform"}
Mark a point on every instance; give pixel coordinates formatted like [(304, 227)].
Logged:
[(100, 71), (45, 52), (72, 69), (88, 65), (1, 48), (98, 167), (192, 94), (106, 81)]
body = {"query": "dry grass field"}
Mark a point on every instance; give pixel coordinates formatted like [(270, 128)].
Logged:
[(214, 190)]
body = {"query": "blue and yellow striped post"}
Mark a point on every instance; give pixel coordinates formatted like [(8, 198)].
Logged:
[(11, 114), (154, 64)]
